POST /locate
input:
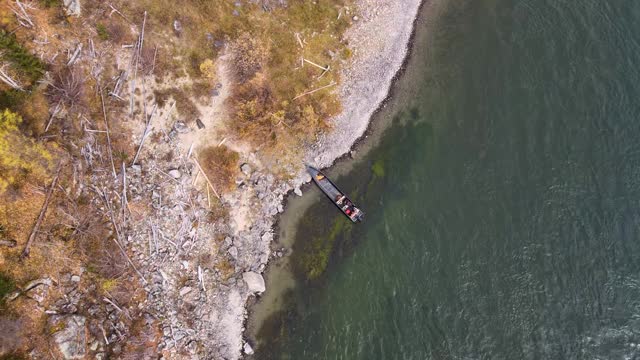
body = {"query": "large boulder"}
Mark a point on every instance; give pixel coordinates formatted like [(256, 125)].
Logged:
[(255, 282), (70, 335)]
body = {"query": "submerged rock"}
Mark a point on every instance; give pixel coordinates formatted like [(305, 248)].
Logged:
[(255, 282), (248, 349)]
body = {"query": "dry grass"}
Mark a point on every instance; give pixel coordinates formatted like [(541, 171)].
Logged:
[(221, 165), (187, 109), (264, 44)]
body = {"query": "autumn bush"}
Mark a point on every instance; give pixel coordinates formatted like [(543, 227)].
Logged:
[(21, 157), (220, 165)]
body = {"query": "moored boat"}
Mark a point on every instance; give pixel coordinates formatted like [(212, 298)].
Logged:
[(335, 195)]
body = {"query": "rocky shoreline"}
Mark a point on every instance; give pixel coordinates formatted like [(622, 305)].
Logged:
[(199, 270), (378, 55)]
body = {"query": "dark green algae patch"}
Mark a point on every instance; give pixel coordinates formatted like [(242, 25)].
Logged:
[(325, 237)]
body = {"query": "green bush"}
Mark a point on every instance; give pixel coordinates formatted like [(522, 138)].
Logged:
[(6, 286), (20, 58), (103, 33)]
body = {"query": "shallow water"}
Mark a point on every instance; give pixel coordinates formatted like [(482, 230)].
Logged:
[(502, 204)]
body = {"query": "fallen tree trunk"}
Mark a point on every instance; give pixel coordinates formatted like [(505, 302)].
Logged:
[(43, 211), (8, 243)]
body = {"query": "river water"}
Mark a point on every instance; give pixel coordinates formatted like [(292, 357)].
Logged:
[(502, 199)]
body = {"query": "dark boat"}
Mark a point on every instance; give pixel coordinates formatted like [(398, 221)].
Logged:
[(337, 197)]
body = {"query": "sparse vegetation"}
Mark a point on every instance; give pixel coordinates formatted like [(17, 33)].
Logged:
[(6, 286), (20, 157), (220, 164), (266, 44), (102, 31)]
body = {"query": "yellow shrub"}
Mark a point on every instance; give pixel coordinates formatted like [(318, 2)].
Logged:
[(20, 156), (208, 69)]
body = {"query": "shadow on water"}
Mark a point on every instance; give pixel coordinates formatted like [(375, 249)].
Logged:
[(329, 237)]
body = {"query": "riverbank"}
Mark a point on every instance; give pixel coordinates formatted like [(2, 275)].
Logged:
[(177, 260), (381, 53), (379, 38)]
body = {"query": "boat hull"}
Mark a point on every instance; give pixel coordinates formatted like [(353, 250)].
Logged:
[(336, 196)]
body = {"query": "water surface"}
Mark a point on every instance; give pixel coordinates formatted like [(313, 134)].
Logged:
[(502, 202)]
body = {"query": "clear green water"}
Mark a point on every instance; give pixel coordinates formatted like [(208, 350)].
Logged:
[(503, 204)]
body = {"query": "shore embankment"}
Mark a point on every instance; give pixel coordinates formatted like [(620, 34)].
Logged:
[(380, 39)]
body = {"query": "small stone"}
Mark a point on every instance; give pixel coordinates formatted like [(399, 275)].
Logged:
[(75, 278), (94, 345), (247, 349), (72, 7), (233, 251), (185, 290), (356, 18), (246, 169), (177, 26), (255, 282), (174, 173), (228, 241), (181, 127), (297, 191)]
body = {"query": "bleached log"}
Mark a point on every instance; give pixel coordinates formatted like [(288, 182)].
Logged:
[(145, 134), (24, 18), (7, 79), (316, 65), (299, 41), (43, 211), (206, 178), (8, 243), (313, 91), (106, 125), (75, 55)]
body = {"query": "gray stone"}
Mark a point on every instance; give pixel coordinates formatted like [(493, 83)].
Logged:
[(247, 349), (185, 290), (177, 26), (75, 278), (246, 169), (174, 173), (255, 282), (233, 251), (71, 339), (181, 128), (72, 7), (38, 293), (297, 191)]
